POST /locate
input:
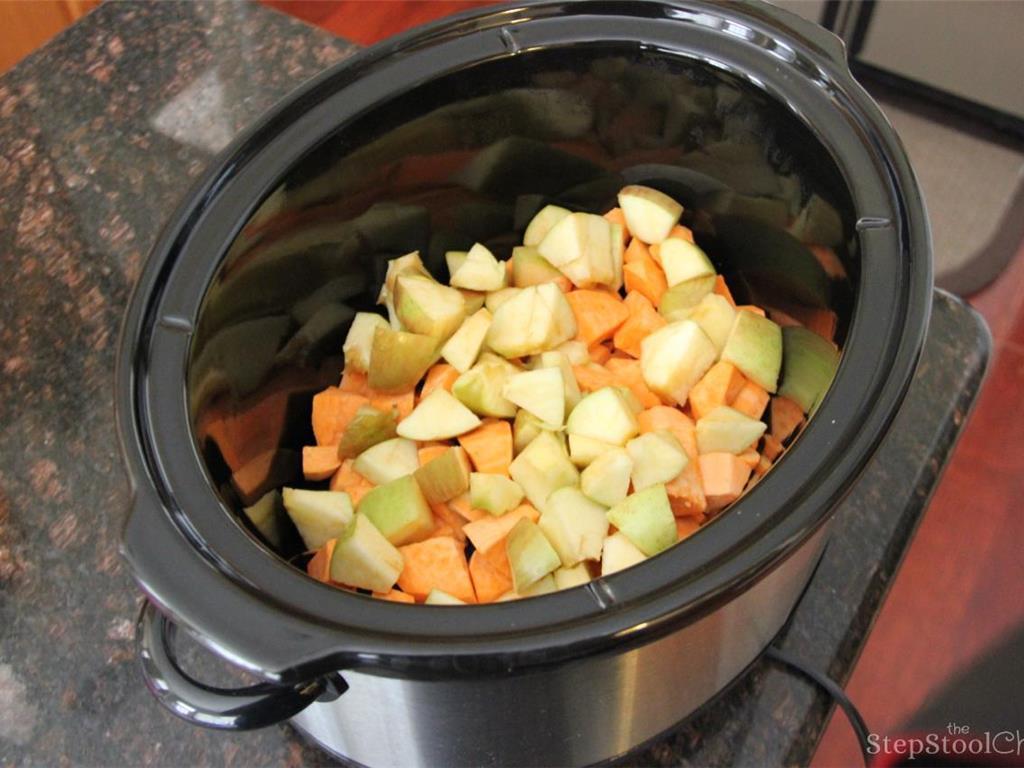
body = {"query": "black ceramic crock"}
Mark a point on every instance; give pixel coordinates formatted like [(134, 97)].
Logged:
[(793, 181)]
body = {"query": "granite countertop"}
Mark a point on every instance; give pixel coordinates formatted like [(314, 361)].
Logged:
[(102, 132)]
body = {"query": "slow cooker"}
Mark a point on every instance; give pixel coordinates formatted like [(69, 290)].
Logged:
[(793, 182)]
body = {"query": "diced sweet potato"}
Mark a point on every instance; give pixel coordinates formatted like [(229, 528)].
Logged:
[(681, 233), (752, 400), (642, 322), (488, 581), (460, 504), (686, 492), (593, 377), (489, 447), (429, 452), (599, 353), (686, 526), (772, 448), (722, 289), (441, 375), (319, 462), (395, 596), (353, 381), (448, 520), (673, 420), (753, 308), (719, 386), (635, 251), (628, 374), (786, 418), (319, 566), (436, 564), (598, 314), (750, 457), (333, 409), (723, 476), (351, 482), (403, 403), (489, 530)]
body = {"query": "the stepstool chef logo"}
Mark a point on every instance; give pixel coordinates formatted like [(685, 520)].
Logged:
[(957, 739)]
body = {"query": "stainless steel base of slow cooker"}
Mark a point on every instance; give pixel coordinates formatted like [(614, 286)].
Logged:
[(576, 714)]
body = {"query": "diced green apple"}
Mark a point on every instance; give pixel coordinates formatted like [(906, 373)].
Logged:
[(657, 458), (606, 479), (715, 315), (559, 360), (682, 261), (454, 260), (530, 555), (530, 268), (440, 597), (543, 586), (479, 388), (619, 553), (726, 430), (542, 223), (319, 515), (526, 427), (410, 264), (493, 493), (567, 578), (618, 252), (399, 359), (368, 427), (674, 358), (650, 214), (646, 519), (438, 416), (580, 246), (358, 344), (425, 306), (755, 347), (574, 525), (604, 415), (535, 320), (496, 298), (540, 391), (543, 467), (631, 400), (399, 510), (479, 271), (266, 516), (445, 477), (363, 558), (809, 364), (575, 351), (387, 461), (474, 300), (679, 301), (463, 348), (585, 450)]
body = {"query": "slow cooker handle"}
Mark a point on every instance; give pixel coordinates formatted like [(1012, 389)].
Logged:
[(236, 709)]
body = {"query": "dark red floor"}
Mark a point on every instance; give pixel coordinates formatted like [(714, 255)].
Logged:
[(959, 589)]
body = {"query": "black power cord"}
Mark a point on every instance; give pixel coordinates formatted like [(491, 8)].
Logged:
[(830, 687)]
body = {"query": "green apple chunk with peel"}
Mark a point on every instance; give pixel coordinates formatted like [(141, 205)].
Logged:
[(755, 347), (543, 467), (646, 519), (567, 578), (399, 510), (650, 214), (682, 260), (438, 416), (674, 358), (368, 427), (715, 316), (541, 392), (265, 515), (535, 320), (809, 364), (425, 306), (530, 268), (358, 345), (440, 597), (493, 493), (604, 415), (574, 525), (657, 458), (463, 348), (576, 352), (618, 554), (399, 359), (679, 301), (445, 477), (481, 386), (526, 427), (585, 450), (474, 300), (542, 223), (726, 430), (606, 479), (580, 246), (410, 264), (319, 515), (479, 271), (364, 558), (496, 298), (559, 360), (387, 461), (530, 555), (542, 586)]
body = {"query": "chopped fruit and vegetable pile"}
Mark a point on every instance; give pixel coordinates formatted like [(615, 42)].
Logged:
[(542, 421)]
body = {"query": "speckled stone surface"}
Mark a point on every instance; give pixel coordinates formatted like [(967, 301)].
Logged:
[(101, 133)]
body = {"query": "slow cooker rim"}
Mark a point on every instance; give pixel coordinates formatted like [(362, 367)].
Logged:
[(140, 322)]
